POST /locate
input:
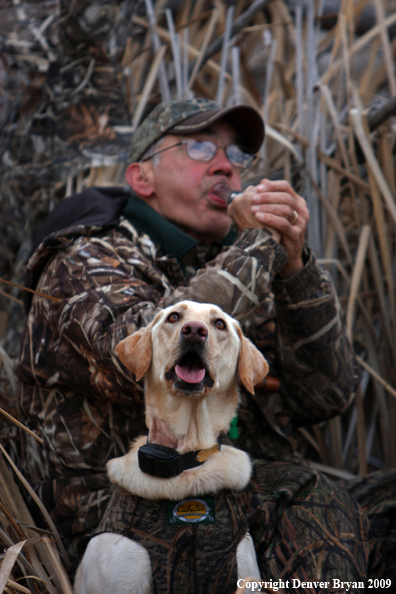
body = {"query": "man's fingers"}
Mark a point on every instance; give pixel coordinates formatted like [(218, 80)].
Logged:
[(281, 223), (288, 216), (280, 185), (283, 210)]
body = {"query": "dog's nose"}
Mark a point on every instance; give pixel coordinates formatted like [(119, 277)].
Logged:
[(194, 331)]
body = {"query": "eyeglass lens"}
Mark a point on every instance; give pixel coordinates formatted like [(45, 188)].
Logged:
[(205, 150)]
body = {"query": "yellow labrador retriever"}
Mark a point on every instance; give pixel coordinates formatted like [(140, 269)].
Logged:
[(192, 357)]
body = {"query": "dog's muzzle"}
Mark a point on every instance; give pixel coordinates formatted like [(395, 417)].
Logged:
[(191, 373)]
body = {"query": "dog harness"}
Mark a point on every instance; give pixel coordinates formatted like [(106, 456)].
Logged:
[(192, 543)]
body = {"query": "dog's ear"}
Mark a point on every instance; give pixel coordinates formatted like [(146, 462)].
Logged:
[(135, 351), (252, 366)]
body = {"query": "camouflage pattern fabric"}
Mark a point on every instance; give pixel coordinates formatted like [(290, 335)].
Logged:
[(376, 494), (304, 528), (193, 558), (77, 396)]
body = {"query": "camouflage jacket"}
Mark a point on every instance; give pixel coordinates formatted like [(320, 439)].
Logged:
[(110, 279)]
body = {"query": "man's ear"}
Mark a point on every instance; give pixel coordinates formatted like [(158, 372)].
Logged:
[(140, 179), (252, 366), (135, 351)]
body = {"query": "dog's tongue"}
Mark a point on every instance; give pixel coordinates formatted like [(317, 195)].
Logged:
[(190, 373)]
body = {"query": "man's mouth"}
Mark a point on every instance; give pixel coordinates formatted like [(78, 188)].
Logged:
[(220, 194), (190, 373)]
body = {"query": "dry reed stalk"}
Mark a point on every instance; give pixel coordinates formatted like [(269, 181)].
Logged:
[(11, 496), (371, 159), (386, 256), (58, 567), (278, 32), (175, 45), (380, 292), (36, 554), (9, 562), (194, 23), (20, 425), (337, 473), (210, 65), (148, 86), (334, 164), (376, 376), (332, 111), (336, 443), (224, 55), (388, 58), (356, 47), (361, 434), (208, 35), (36, 499), (385, 157), (333, 216), (356, 278), (165, 91), (182, 14), (18, 587), (240, 5), (323, 447), (7, 363), (367, 79), (11, 297)]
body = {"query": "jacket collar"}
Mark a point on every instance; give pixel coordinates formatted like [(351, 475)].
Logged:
[(170, 238)]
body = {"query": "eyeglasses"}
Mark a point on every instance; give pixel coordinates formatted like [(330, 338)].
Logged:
[(205, 150)]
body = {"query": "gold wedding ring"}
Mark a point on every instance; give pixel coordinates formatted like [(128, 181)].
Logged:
[(295, 217)]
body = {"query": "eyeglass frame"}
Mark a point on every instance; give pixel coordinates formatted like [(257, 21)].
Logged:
[(202, 160)]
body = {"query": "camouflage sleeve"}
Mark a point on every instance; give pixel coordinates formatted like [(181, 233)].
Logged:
[(110, 286), (319, 369), (238, 280)]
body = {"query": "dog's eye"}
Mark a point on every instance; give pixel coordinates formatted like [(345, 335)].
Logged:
[(220, 324), (173, 317)]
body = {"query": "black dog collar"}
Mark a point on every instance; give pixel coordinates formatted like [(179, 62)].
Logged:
[(164, 462)]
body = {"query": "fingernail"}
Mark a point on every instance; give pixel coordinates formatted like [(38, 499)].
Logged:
[(256, 198), (263, 186)]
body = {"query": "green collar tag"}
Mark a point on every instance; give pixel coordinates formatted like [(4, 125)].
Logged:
[(233, 432)]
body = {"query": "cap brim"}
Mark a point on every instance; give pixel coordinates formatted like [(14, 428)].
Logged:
[(245, 119)]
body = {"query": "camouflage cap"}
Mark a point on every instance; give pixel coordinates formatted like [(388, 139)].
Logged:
[(184, 116)]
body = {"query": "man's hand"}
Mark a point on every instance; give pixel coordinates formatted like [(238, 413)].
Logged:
[(241, 211), (276, 205)]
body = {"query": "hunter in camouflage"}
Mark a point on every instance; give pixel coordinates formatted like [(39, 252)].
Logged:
[(112, 262)]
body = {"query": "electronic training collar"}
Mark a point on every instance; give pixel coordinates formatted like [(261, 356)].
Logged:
[(164, 462)]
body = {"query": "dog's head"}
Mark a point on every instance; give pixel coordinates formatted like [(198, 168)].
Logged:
[(192, 349)]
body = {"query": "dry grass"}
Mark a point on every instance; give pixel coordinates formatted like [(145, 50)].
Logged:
[(321, 91)]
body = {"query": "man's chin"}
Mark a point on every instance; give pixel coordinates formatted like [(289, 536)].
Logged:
[(212, 232), (213, 228)]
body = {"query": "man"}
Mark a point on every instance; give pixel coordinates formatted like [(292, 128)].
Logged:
[(174, 241)]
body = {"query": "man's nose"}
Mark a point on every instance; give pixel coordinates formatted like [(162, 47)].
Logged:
[(194, 331), (220, 164)]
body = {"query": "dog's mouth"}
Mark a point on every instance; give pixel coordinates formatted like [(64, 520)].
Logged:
[(190, 373)]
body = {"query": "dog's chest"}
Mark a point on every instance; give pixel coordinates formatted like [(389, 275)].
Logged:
[(192, 543)]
